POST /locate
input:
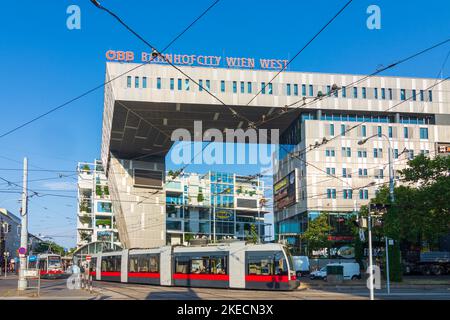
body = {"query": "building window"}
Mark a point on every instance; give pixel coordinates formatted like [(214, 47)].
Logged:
[(311, 90), (249, 87), (383, 93), (328, 90), (410, 154), (158, 83), (348, 193), (344, 92), (424, 133), (378, 153), (343, 130), (405, 133), (180, 84), (430, 95), (129, 82), (414, 95), (263, 88), (208, 85), (362, 153), (364, 131), (379, 131), (331, 129), (304, 90), (200, 85), (403, 94), (136, 82), (355, 92), (172, 84), (364, 93), (346, 173), (234, 87), (390, 94), (375, 93), (186, 84), (270, 90), (390, 132), (363, 194), (362, 172), (242, 87), (295, 89), (331, 193), (222, 86), (330, 153), (395, 153), (379, 174), (144, 82), (422, 95)]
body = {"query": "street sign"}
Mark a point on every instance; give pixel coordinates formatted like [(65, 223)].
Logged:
[(88, 258), (362, 236), (22, 250), (32, 258), (31, 273)]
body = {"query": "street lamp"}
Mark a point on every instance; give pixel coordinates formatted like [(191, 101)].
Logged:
[(392, 198)]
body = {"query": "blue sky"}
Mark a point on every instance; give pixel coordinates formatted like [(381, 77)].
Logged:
[(44, 64)]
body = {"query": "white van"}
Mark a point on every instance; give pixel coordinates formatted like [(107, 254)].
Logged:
[(301, 265), (351, 270)]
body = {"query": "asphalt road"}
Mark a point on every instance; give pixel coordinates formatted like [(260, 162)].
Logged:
[(57, 289)]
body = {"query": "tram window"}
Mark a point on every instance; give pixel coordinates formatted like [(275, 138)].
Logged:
[(144, 263), (260, 266), (218, 265), (93, 264), (111, 263), (182, 265), (280, 265), (200, 265)]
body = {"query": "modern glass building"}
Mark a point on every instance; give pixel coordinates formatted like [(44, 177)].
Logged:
[(215, 206)]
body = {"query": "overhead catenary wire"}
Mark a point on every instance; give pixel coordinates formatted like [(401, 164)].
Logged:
[(86, 93)]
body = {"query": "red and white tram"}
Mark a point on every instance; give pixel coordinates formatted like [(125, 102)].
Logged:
[(234, 265)]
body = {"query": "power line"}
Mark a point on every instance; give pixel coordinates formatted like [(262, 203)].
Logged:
[(376, 72), (106, 82), (302, 49)]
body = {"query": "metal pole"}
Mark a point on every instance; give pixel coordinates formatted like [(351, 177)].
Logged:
[(214, 218), (369, 222), (391, 194), (22, 284)]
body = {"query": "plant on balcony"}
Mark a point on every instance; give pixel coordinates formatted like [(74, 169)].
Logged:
[(103, 222), (200, 197), (85, 236), (98, 191), (86, 169), (85, 219), (239, 190), (84, 207), (106, 191)]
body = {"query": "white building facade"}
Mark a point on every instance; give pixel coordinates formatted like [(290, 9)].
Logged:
[(95, 216), (145, 106)]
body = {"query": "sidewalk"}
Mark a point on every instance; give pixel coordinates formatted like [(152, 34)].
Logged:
[(50, 290), (421, 283)]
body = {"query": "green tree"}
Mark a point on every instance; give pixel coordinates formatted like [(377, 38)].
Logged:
[(253, 234), (316, 235)]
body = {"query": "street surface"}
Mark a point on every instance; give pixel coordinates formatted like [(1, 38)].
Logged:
[(310, 290)]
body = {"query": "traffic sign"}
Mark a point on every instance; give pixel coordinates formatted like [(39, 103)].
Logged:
[(22, 250), (88, 258)]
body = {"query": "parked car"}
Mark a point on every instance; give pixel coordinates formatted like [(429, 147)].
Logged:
[(351, 271), (319, 274), (301, 265)]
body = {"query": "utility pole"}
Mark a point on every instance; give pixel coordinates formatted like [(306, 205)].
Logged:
[(371, 269), (22, 285)]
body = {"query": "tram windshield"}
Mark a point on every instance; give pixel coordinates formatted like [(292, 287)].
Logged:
[(54, 261)]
